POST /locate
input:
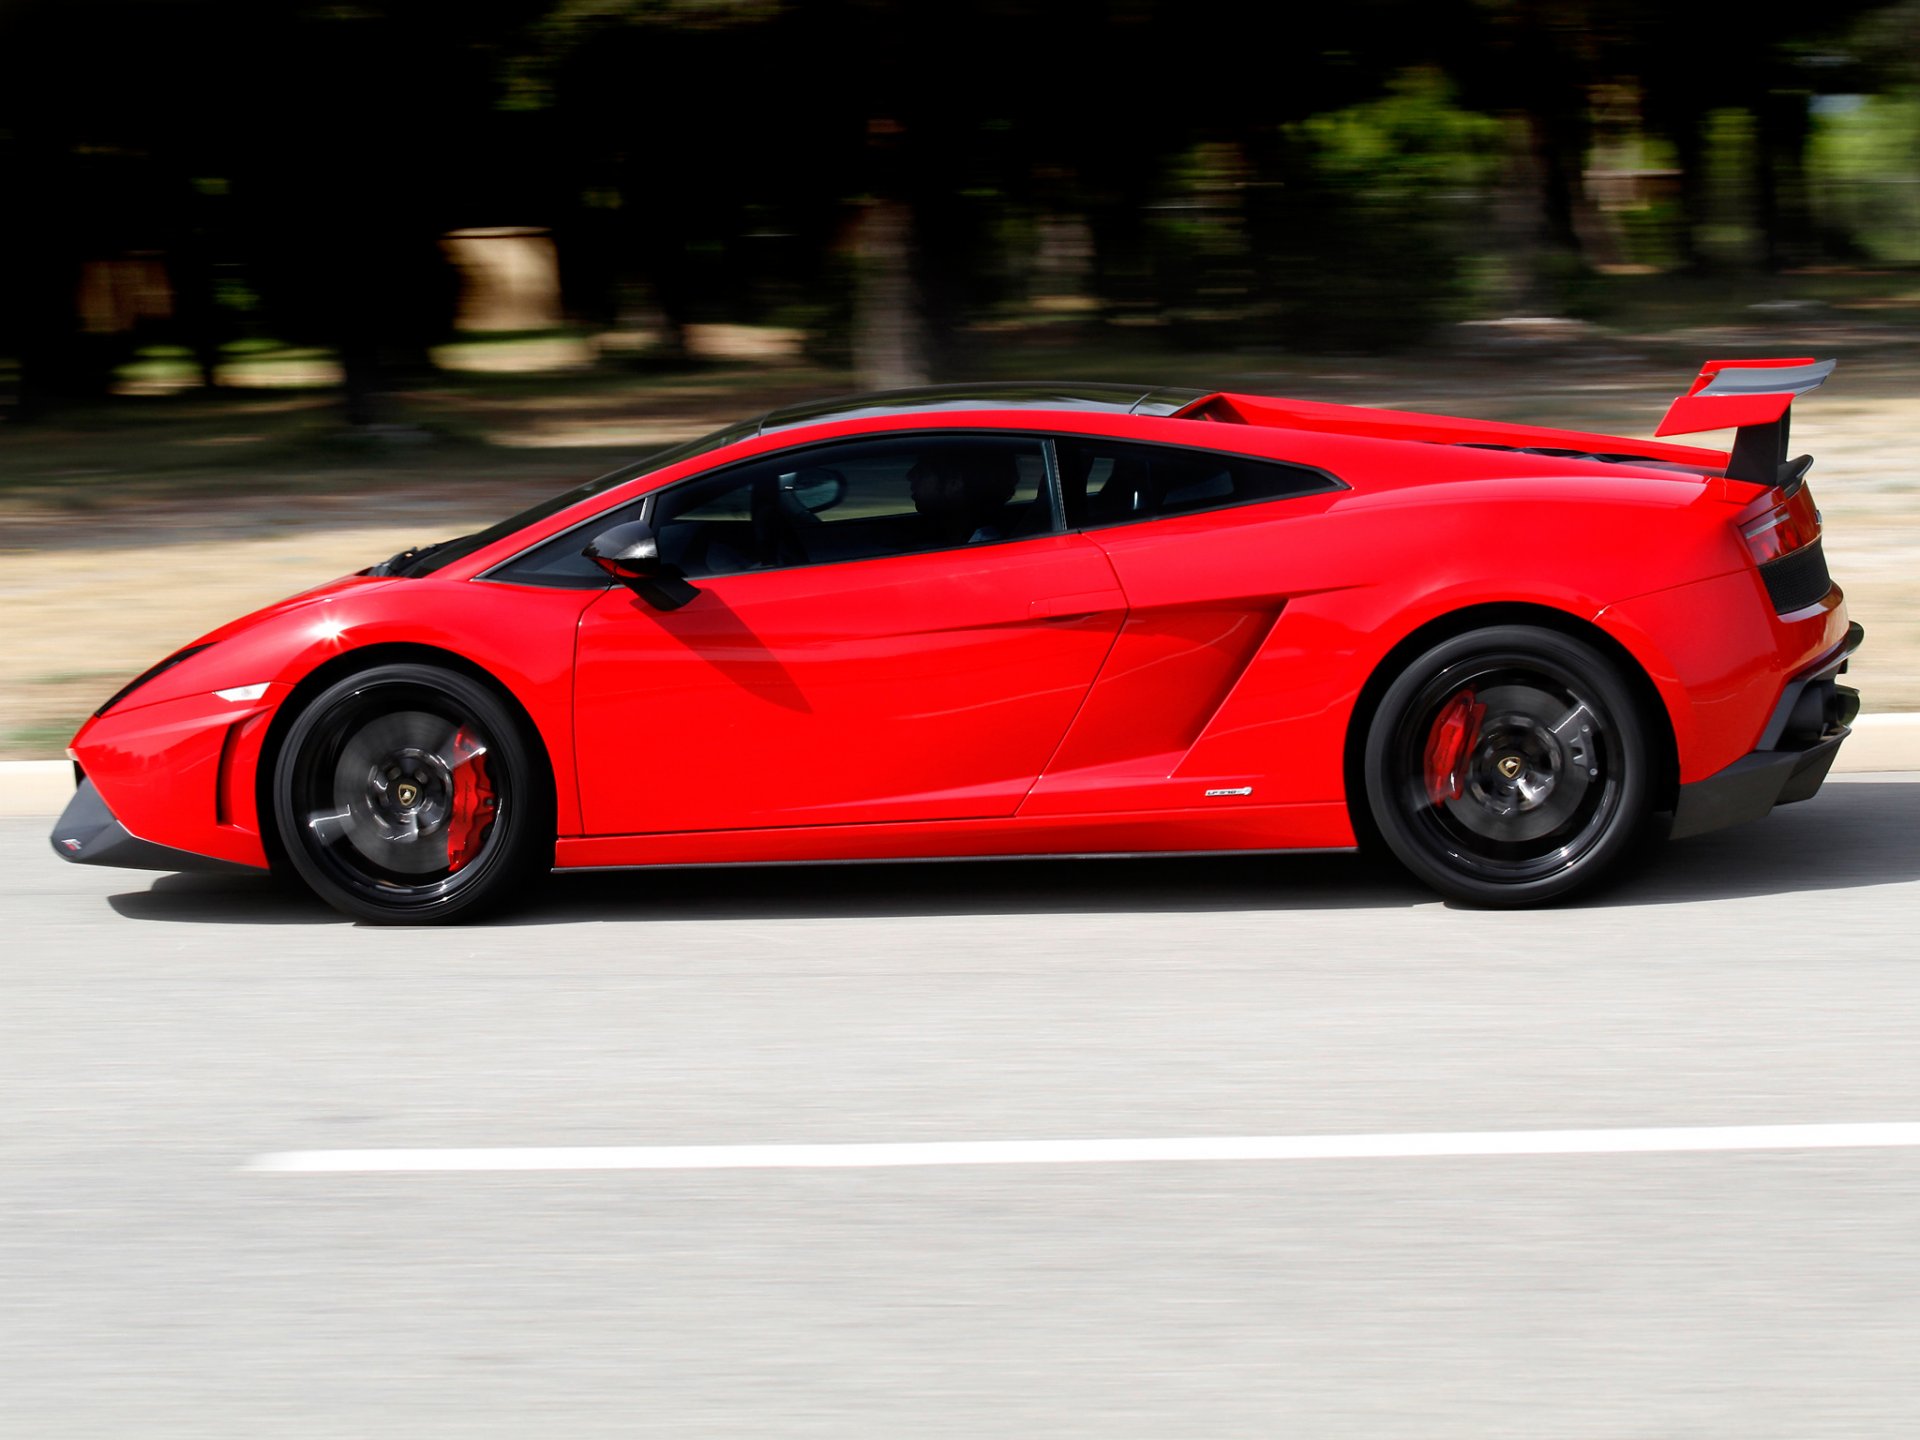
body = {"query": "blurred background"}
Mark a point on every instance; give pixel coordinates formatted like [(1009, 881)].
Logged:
[(286, 286)]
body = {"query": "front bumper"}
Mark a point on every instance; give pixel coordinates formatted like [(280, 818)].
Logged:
[(1798, 747), (88, 834), (177, 774)]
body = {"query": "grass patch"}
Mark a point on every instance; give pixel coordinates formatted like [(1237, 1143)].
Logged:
[(40, 741), (75, 677)]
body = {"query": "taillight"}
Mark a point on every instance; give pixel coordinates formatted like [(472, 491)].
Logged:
[(1788, 526), (1784, 540)]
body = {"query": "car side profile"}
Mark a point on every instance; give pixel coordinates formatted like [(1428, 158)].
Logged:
[(1013, 620)]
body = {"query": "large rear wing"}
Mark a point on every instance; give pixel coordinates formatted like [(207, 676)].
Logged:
[(1753, 397)]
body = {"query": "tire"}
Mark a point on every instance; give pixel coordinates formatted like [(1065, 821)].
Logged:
[(1509, 766), (407, 794)]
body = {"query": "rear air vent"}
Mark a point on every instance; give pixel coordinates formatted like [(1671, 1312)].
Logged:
[(1559, 454), (1797, 579)]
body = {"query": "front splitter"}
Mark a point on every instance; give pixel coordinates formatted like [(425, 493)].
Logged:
[(88, 834)]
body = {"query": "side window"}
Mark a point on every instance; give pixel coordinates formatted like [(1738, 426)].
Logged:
[(557, 564), (1113, 482), (856, 501)]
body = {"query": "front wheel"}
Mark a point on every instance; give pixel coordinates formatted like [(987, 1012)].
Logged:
[(1508, 766), (406, 794)]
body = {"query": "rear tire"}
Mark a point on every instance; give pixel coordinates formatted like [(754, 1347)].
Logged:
[(408, 794), (1509, 766)]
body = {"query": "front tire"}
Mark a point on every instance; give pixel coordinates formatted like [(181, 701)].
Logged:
[(408, 794), (1509, 766)]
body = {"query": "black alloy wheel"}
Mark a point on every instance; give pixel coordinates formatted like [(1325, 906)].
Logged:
[(1509, 766), (407, 794)]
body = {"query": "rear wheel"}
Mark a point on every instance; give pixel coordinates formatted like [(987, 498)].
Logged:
[(1508, 766), (406, 794)]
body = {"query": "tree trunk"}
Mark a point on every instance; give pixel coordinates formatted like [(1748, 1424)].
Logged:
[(1784, 127), (1690, 152), (889, 333)]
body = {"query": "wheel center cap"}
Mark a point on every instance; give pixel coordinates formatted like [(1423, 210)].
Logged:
[(1510, 766), (407, 793)]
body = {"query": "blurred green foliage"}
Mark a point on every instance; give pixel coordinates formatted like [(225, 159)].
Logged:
[(195, 173), (1405, 183), (1865, 157)]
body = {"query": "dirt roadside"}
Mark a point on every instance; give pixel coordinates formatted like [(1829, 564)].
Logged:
[(104, 573)]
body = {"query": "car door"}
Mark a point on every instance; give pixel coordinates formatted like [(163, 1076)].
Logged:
[(888, 629), (1206, 557)]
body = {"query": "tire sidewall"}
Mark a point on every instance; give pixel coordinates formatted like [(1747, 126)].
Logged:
[(502, 864), (1628, 736)]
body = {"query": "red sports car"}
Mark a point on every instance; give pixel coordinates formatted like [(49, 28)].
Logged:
[(1058, 620)]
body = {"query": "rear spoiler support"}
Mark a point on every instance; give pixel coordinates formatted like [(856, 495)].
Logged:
[(1753, 397), (1760, 451)]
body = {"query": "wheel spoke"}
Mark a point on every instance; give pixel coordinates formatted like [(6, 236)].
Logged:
[(460, 747), (1577, 721), (329, 827), (394, 779), (1578, 730)]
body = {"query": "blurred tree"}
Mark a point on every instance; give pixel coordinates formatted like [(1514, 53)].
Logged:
[(706, 147), (1535, 64), (876, 169), (98, 154), (375, 130), (1768, 61)]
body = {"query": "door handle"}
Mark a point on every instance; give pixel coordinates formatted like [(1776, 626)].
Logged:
[(1074, 607)]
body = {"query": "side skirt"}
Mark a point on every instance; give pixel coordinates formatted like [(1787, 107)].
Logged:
[(1225, 830)]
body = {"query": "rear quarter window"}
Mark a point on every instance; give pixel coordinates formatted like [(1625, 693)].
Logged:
[(1108, 482)]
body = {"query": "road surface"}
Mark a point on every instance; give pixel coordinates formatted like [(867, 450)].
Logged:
[(159, 1036)]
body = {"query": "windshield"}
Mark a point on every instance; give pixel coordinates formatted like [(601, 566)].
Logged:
[(425, 559)]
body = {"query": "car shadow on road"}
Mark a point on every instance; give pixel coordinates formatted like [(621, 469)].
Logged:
[(1853, 833), (1196, 884), (1159, 884), (208, 899), (1856, 833)]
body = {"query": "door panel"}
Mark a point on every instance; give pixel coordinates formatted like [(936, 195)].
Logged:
[(911, 687), (1188, 679)]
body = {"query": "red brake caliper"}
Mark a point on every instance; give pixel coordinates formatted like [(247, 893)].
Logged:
[(471, 814), (1455, 731)]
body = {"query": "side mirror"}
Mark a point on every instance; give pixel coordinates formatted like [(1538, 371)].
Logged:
[(816, 488), (631, 554)]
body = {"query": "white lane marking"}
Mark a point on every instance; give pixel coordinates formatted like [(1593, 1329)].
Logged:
[(1703, 1138)]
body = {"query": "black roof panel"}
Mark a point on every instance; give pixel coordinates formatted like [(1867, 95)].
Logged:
[(1113, 399)]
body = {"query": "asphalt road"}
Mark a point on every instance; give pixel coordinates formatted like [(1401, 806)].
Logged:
[(158, 1034)]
